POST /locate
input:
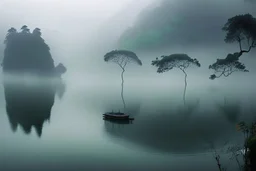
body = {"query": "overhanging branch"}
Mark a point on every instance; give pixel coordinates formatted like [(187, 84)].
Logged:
[(250, 47)]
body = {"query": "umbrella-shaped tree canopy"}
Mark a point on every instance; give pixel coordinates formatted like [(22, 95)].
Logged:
[(121, 57), (225, 67), (181, 61)]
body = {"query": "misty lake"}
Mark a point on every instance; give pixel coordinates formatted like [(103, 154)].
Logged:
[(165, 135), (90, 46)]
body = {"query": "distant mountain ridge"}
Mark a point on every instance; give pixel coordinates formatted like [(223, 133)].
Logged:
[(182, 22)]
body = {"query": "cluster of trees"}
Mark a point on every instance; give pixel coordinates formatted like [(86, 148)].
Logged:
[(240, 28), (26, 51), (249, 154)]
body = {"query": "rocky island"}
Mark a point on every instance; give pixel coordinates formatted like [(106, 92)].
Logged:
[(27, 52)]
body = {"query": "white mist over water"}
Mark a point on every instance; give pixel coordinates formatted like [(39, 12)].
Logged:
[(76, 138)]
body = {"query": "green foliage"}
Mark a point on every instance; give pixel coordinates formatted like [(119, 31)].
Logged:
[(252, 142), (249, 144), (181, 61), (249, 130)]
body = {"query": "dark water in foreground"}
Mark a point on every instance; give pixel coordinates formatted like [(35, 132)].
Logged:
[(44, 130)]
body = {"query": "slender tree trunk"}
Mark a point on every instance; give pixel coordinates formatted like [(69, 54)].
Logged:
[(185, 88), (122, 85), (246, 161), (238, 163), (217, 158)]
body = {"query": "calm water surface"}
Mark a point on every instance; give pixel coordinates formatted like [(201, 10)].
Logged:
[(45, 133)]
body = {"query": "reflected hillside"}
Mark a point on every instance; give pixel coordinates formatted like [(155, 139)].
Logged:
[(188, 109), (231, 110), (168, 128), (29, 104), (60, 88)]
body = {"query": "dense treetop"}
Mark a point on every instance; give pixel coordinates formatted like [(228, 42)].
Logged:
[(225, 67), (181, 61), (122, 56), (26, 51), (241, 29)]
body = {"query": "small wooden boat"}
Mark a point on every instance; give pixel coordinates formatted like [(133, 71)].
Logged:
[(116, 116)]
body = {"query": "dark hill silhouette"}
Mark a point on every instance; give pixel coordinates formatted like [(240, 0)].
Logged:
[(27, 52), (181, 23)]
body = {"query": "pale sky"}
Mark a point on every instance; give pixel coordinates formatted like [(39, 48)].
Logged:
[(75, 28), (55, 12), (68, 26)]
